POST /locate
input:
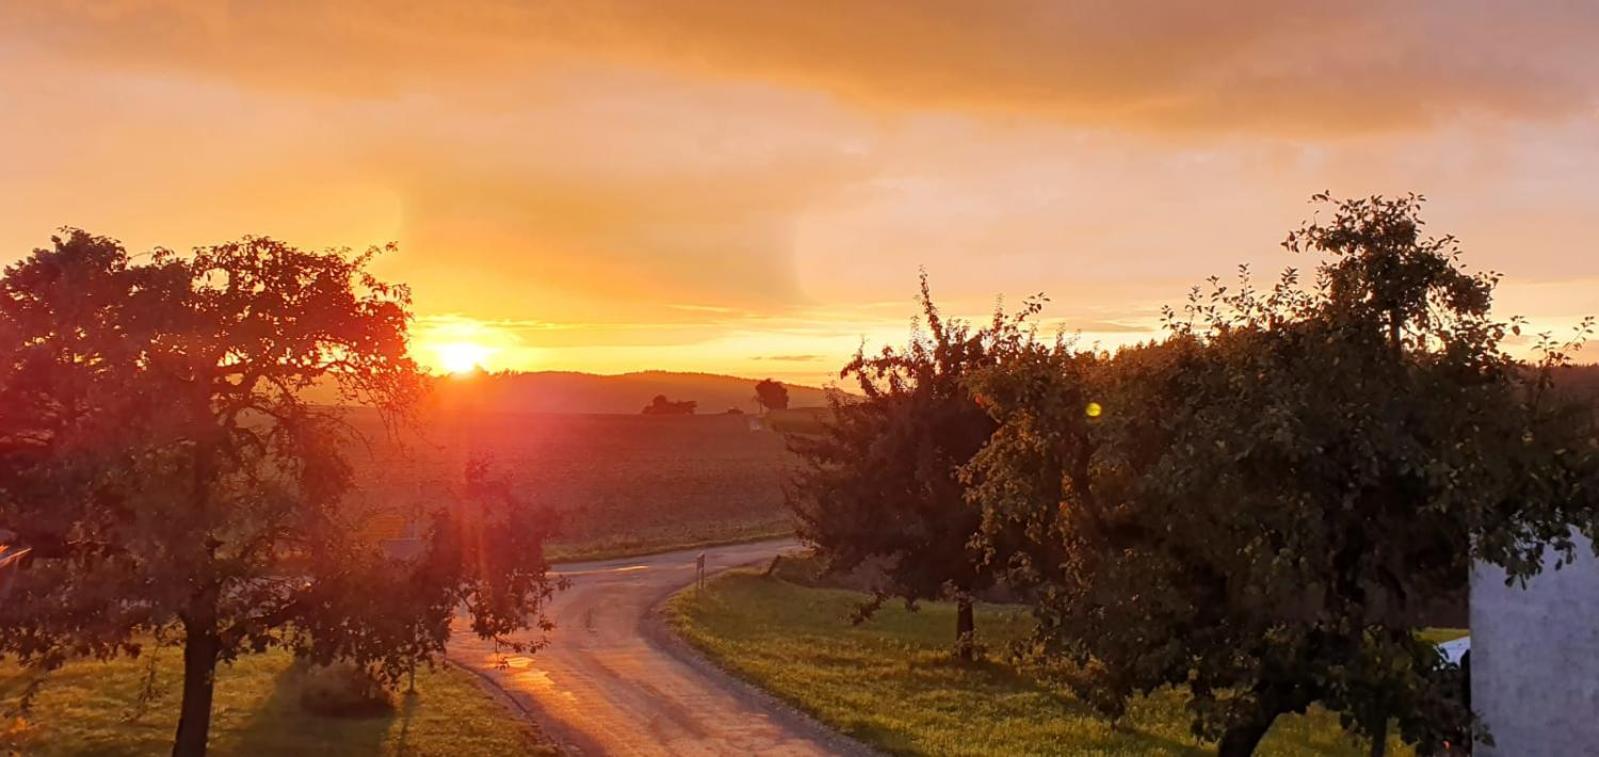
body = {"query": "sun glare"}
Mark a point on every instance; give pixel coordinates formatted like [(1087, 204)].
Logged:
[(462, 357)]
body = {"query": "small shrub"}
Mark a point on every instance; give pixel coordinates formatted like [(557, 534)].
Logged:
[(341, 690)]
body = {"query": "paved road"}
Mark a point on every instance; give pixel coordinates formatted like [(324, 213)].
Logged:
[(607, 685)]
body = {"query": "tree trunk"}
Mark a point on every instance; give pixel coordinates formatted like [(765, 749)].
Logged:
[(965, 627), (1379, 739), (201, 642), (1241, 740), (199, 679)]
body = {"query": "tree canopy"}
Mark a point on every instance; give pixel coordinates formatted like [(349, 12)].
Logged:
[(1257, 506), (771, 395), (158, 457), (663, 406), (880, 483)]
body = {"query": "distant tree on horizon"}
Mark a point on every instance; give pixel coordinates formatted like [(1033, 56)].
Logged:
[(176, 488), (663, 406), (771, 395)]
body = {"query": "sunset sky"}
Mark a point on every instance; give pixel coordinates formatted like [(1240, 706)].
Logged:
[(750, 187)]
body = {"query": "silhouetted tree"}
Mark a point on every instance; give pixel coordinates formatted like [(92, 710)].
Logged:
[(1256, 507), (879, 483), (663, 406), (771, 395), (176, 489)]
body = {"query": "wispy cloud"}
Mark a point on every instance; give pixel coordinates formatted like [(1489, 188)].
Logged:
[(1151, 64), (791, 358)]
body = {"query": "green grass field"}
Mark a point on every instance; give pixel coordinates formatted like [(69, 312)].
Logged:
[(90, 708), (893, 684), (1441, 635)]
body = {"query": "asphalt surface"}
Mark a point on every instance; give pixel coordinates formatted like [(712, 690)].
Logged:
[(613, 682)]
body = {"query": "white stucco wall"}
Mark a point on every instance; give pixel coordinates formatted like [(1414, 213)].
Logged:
[(1535, 659)]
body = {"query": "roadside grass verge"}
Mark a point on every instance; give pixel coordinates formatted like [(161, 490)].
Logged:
[(89, 707), (893, 684), (639, 545)]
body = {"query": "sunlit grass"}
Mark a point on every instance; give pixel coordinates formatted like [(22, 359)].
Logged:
[(90, 708), (893, 684), (1441, 635), (658, 541)]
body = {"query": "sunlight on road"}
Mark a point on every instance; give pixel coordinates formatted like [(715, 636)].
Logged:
[(605, 685)]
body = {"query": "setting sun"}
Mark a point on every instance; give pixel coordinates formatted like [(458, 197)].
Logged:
[(461, 357)]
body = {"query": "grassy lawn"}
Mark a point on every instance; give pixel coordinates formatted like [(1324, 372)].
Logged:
[(892, 683), (1441, 635), (89, 708)]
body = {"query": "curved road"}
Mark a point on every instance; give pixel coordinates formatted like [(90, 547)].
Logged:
[(610, 683)]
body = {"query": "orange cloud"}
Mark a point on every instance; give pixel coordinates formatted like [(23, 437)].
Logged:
[(1259, 65)]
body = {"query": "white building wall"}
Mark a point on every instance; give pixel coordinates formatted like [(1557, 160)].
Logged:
[(1535, 659)]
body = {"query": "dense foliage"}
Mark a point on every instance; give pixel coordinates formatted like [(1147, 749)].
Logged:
[(880, 485), (158, 456), (1256, 507)]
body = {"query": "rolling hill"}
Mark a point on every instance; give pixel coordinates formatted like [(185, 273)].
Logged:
[(572, 392), (622, 482)]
